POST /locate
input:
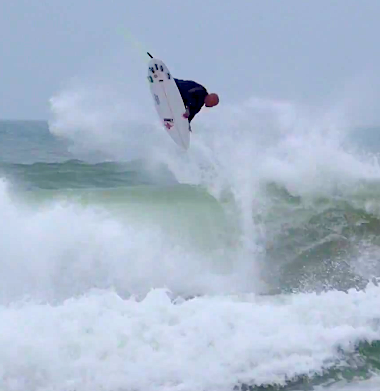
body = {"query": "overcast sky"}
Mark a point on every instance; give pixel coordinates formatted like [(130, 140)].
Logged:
[(288, 49)]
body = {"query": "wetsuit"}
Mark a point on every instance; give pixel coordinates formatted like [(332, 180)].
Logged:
[(193, 96)]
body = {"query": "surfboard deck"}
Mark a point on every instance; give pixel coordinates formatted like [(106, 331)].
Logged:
[(168, 102)]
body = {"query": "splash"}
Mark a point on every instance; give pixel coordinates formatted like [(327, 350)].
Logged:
[(236, 152), (102, 120)]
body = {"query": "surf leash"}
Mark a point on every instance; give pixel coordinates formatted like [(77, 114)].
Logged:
[(127, 34)]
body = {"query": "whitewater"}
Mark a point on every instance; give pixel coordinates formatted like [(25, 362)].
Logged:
[(248, 262)]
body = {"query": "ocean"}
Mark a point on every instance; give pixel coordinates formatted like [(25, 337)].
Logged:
[(249, 262)]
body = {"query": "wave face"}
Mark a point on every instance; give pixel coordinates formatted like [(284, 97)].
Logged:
[(249, 261)]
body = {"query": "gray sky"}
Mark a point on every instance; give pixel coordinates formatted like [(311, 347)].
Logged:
[(308, 51)]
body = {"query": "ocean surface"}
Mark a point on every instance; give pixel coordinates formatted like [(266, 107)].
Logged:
[(249, 262)]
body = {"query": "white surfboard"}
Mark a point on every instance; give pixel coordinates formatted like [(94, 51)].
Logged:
[(168, 102)]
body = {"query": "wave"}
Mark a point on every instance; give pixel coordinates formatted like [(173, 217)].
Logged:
[(299, 244), (253, 255), (133, 242), (247, 342)]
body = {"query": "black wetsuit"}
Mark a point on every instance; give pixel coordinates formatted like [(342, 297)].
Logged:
[(193, 96)]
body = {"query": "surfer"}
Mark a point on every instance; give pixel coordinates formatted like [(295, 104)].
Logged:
[(194, 96)]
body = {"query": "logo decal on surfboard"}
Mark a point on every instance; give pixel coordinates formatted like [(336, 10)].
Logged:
[(168, 123)]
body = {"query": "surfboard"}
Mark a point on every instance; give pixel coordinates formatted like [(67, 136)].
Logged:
[(168, 102)]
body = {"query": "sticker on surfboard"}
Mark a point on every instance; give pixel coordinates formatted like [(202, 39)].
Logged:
[(168, 102)]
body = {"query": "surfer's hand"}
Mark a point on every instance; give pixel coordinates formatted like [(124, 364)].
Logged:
[(186, 114)]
